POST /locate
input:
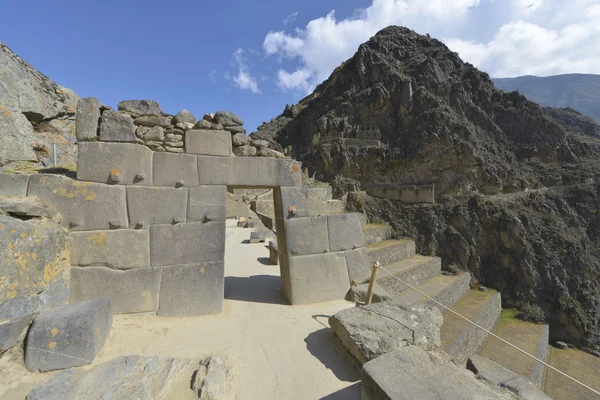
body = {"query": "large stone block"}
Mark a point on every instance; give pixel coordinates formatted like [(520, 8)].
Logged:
[(207, 203), (320, 277), (295, 202), (68, 336), (140, 107), (11, 331), (358, 265), (13, 184), (306, 235), (116, 127), (188, 243), (156, 205), (264, 172), (88, 115), (131, 291), (212, 143), (344, 232), (196, 289), (175, 169), (114, 163), (119, 249), (214, 170), (83, 205)]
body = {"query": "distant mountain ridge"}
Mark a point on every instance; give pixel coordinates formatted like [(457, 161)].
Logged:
[(578, 91)]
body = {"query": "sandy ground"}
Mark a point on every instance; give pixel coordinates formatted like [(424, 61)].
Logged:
[(277, 351)]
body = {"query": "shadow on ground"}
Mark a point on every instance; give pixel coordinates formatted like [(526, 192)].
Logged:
[(265, 261), (351, 392), (256, 289), (326, 347)]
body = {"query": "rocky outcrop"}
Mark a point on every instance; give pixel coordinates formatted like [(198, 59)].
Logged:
[(405, 110), (34, 113), (538, 248)]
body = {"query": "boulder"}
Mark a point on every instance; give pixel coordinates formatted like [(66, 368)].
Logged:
[(240, 139), (212, 378), (377, 329), (245, 151), (68, 336), (163, 122), (203, 124), (140, 107), (184, 116), (135, 377), (117, 127), (216, 126), (88, 116), (259, 143), (17, 137), (184, 125), (209, 117), (227, 118), (266, 152), (12, 330), (235, 129)]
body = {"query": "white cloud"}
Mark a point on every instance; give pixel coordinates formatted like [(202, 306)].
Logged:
[(243, 79), (290, 18), (327, 41), (212, 75), (524, 36)]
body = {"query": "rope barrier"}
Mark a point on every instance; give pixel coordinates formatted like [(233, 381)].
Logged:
[(377, 265)]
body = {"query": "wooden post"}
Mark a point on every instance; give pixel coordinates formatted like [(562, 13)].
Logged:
[(372, 282)]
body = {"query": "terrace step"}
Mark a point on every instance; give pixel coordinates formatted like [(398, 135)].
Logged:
[(391, 251), (375, 233)]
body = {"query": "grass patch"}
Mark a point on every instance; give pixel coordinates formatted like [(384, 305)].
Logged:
[(509, 313)]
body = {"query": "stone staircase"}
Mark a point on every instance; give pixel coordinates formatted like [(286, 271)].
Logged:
[(459, 338)]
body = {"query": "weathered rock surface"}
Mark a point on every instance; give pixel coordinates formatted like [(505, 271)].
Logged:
[(184, 116), (12, 330), (133, 377), (377, 329), (68, 336), (211, 382), (34, 112), (140, 107), (227, 118), (240, 139)]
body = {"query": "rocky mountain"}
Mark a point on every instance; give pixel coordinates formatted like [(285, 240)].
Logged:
[(578, 91), (406, 110), (34, 113)]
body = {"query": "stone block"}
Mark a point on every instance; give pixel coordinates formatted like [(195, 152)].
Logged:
[(373, 330), (273, 253), (214, 170), (83, 205), (344, 232), (315, 278), (117, 127), (227, 118), (207, 203), (244, 151), (114, 163), (156, 205), (264, 172), (258, 236), (413, 373), (358, 265), (306, 235), (175, 170), (11, 331), (140, 107), (150, 121), (13, 184), (188, 243), (131, 291), (68, 336), (295, 202), (212, 143), (88, 116), (240, 139), (118, 249), (184, 116), (196, 289)]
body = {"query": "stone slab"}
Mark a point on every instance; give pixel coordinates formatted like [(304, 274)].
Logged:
[(140, 107), (187, 243), (131, 291), (156, 205), (88, 116), (117, 127), (258, 236), (114, 163), (207, 142), (413, 373), (117, 249), (214, 170), (295, 202), (264, 172), (83, 205), (306, 236), (371, 331), (13, 184), (171, 169), (315, 278), (197, 289), (344, 232), (68, 336), (11, 331), (207, 203), (359, 268)]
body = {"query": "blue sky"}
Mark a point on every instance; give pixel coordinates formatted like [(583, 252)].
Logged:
[(254, 57)]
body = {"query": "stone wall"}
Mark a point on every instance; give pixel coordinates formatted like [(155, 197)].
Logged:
[(406, 193)]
